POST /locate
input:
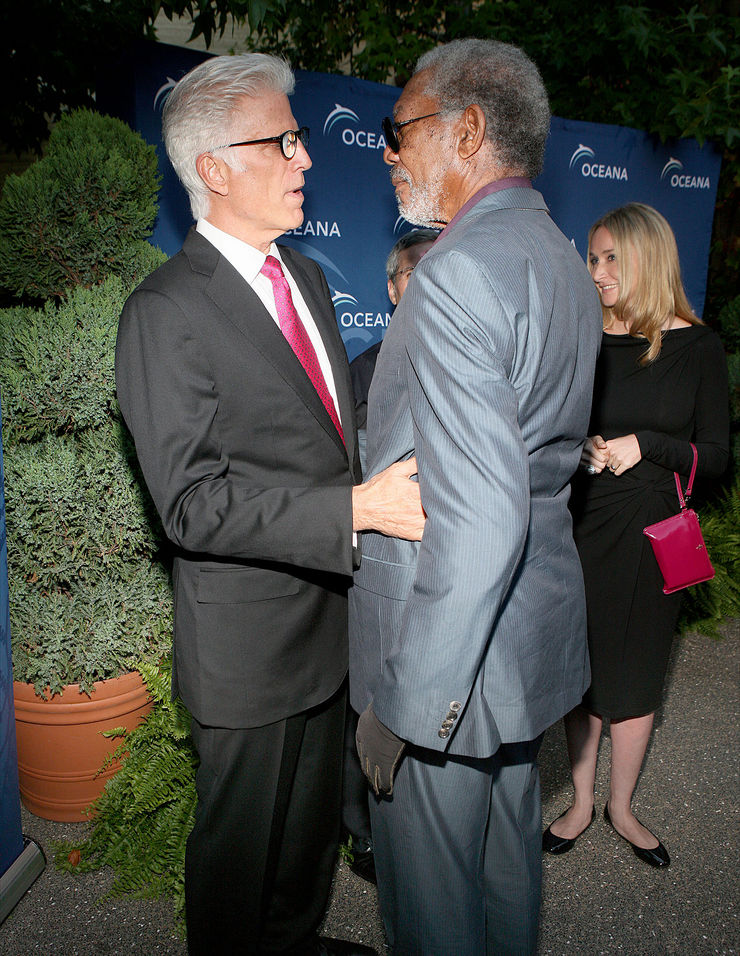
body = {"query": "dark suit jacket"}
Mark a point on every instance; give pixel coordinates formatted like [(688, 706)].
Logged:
[(251, 481)]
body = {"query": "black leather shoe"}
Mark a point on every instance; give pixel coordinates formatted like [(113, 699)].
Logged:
[(342, 947), (557, 845), (658, 856), (363, 860)]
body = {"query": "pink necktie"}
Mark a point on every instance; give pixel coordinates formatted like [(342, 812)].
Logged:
[(297, 337)]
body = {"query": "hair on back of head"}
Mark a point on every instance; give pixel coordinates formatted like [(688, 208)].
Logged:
[(506, 84), (199, 112), (407, 240)]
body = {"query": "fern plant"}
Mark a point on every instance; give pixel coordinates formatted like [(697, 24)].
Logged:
[(147, 810)]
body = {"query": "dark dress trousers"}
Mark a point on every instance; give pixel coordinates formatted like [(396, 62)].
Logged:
[(253, 486)]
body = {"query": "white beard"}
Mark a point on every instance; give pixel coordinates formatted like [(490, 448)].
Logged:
[(423, 203)]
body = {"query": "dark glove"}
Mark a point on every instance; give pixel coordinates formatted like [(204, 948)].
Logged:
[(380, 751)]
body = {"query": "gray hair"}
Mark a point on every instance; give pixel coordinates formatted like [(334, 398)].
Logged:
[(506, 84), (409, 239), (199, 112)]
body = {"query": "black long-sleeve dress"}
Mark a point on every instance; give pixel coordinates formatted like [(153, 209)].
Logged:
[(680, 398)]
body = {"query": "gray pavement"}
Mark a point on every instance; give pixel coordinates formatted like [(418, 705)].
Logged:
[(598, 899)]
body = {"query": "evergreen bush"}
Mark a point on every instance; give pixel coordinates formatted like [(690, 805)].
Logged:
[(82, 212), (90, 596)]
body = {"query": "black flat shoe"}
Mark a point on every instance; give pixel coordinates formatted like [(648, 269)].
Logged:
[(557, 845), (658, 856)]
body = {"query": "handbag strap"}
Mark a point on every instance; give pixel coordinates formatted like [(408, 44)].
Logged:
[(683, 497)]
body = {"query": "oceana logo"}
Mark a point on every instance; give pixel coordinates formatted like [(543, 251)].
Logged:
[(343, 116), (584, 155), (316, 227), (343, 298), (350, 317), (672, 171), (163, 92)]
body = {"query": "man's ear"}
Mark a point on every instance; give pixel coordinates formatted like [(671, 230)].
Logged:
[(212, 172), (392, 292), (473, 131)]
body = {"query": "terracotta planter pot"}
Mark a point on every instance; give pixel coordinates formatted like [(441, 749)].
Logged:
[(60, 745)]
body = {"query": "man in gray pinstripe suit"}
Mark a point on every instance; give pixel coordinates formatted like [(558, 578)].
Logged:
[(465, 647)]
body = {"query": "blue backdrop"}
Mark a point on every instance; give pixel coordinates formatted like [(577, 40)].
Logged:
[(351, 217), (11, 840)]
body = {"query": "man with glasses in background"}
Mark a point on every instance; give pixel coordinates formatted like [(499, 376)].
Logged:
[(233, 380), (464, 648)]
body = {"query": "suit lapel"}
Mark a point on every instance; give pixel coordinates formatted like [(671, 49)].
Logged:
[(317, 300), (243, 307)]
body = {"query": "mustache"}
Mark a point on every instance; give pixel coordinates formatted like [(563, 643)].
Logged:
[(399, 176)]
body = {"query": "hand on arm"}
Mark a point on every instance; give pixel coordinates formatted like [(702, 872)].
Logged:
[(390, 502), (623, 453), (594, 454)]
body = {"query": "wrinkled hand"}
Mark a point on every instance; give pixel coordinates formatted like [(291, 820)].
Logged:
[(390, 502), (379, 750), (623, 453), (594, 455)]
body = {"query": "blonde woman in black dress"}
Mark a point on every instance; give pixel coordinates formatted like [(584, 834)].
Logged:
[(661, 383)]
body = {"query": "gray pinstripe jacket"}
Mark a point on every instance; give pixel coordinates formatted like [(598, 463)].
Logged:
[(486, 374)]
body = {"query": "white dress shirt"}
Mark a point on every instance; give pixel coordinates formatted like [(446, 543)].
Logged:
[(248, 261)]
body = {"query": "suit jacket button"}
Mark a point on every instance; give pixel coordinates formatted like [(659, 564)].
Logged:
[(455, 705), (452, 715), (446, 724), (443, 733)]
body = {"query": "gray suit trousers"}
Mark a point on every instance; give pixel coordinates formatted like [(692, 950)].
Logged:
[(459, 853)]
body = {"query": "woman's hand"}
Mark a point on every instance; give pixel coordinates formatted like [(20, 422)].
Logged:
[(622, 453), (594, 455)]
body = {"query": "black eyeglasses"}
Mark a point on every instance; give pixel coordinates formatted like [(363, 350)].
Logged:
[(390, 129), (288, 141)]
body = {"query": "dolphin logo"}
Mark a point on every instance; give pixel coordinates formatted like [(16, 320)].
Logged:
[(672, 166), (343, 298), (349, 335), (581, 153), (318, 256), (337, 114), (163, 91)]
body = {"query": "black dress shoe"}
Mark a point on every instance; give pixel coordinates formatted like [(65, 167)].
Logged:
[(342, 947), (557, 845), (363, 857), (658, 856)]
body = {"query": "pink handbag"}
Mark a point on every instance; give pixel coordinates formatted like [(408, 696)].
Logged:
[(678, 543)]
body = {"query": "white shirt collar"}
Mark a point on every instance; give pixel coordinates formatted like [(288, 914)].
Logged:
[(246, 259)]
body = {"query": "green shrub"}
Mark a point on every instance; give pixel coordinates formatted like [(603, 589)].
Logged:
[(708, 605), (89, 596), (82, 212)]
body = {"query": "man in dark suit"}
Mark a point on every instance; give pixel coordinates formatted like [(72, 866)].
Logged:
[(233, 380)]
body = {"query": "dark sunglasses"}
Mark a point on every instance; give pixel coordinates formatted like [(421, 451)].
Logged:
[(288, 141), (390, 129)]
